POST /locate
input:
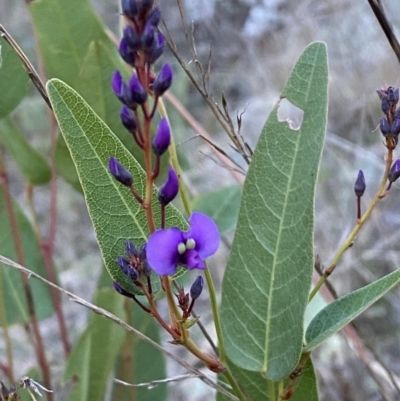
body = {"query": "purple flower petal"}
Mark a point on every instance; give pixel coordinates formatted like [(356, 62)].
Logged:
[(205, 233), (162, 251)]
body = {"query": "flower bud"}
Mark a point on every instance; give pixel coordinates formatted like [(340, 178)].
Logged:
[(131, 38), (120, 173), (128, 269), (156, 49), (146, 269), (395, 128), (197, 287), (163, 80), (394, 172), (162, 138), (126, 53), (154, 17), (384, 126), (130, 8), (392, 95), (148, 36), (121, 291), (131, 249), (128, 119), (359, 186), (146, 5), (138, 94), (170, 189)]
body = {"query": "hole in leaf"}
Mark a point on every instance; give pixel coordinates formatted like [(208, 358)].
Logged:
[(291, 114)]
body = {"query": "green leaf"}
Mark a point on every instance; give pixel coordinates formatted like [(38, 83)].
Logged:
[(93, 357), (32, 164), (222, 205), (115, 214), (11, 290), (13, 79), (140, 362), (65, 30), (268, 277), (255, 386), (342, 311)]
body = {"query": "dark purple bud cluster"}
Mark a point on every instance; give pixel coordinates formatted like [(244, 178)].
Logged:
[(134, 265), (390, 125), (184, 302)]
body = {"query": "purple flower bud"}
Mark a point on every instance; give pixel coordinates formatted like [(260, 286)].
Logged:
[(392, 95), (130, 8), (120, 173), (197, 287), (359, 186), (394, 172), (162, 139), (138, 94), (132, 39), (131, 249), (170, 189), (156, 49), (126, 53), (154, 17), (121, 90), (163, 80), (148, 36), (128, 269), (146, 269), (121, 291), (395, 128), (128, 119), (384, 126)]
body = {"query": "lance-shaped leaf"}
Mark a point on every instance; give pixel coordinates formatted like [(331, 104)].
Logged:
[(115, 214), (94, 356), (11, 288), (342, 311), (32, 164), (13, 79), (268, 277), (222, 205)]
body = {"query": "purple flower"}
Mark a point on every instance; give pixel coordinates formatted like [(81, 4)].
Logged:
[(170, 189), (166, 249)]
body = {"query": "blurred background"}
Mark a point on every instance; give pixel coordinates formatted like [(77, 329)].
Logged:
[(252, 46)]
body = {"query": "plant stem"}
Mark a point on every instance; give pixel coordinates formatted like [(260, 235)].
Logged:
[(39, 346), (360, 222)]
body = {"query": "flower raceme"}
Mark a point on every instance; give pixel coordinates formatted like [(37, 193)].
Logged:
[(168, 248)]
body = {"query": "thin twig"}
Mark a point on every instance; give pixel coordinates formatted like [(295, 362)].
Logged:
[(117, 320), (377, 8), (30, 69)]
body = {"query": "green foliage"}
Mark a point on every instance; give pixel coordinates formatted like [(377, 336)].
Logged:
[(268, 276), (222, 205), (13, 79), (94, 355), (115, 213), (32, 164), (77, 50), (11, 289), (256, 388), (342, 311)]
